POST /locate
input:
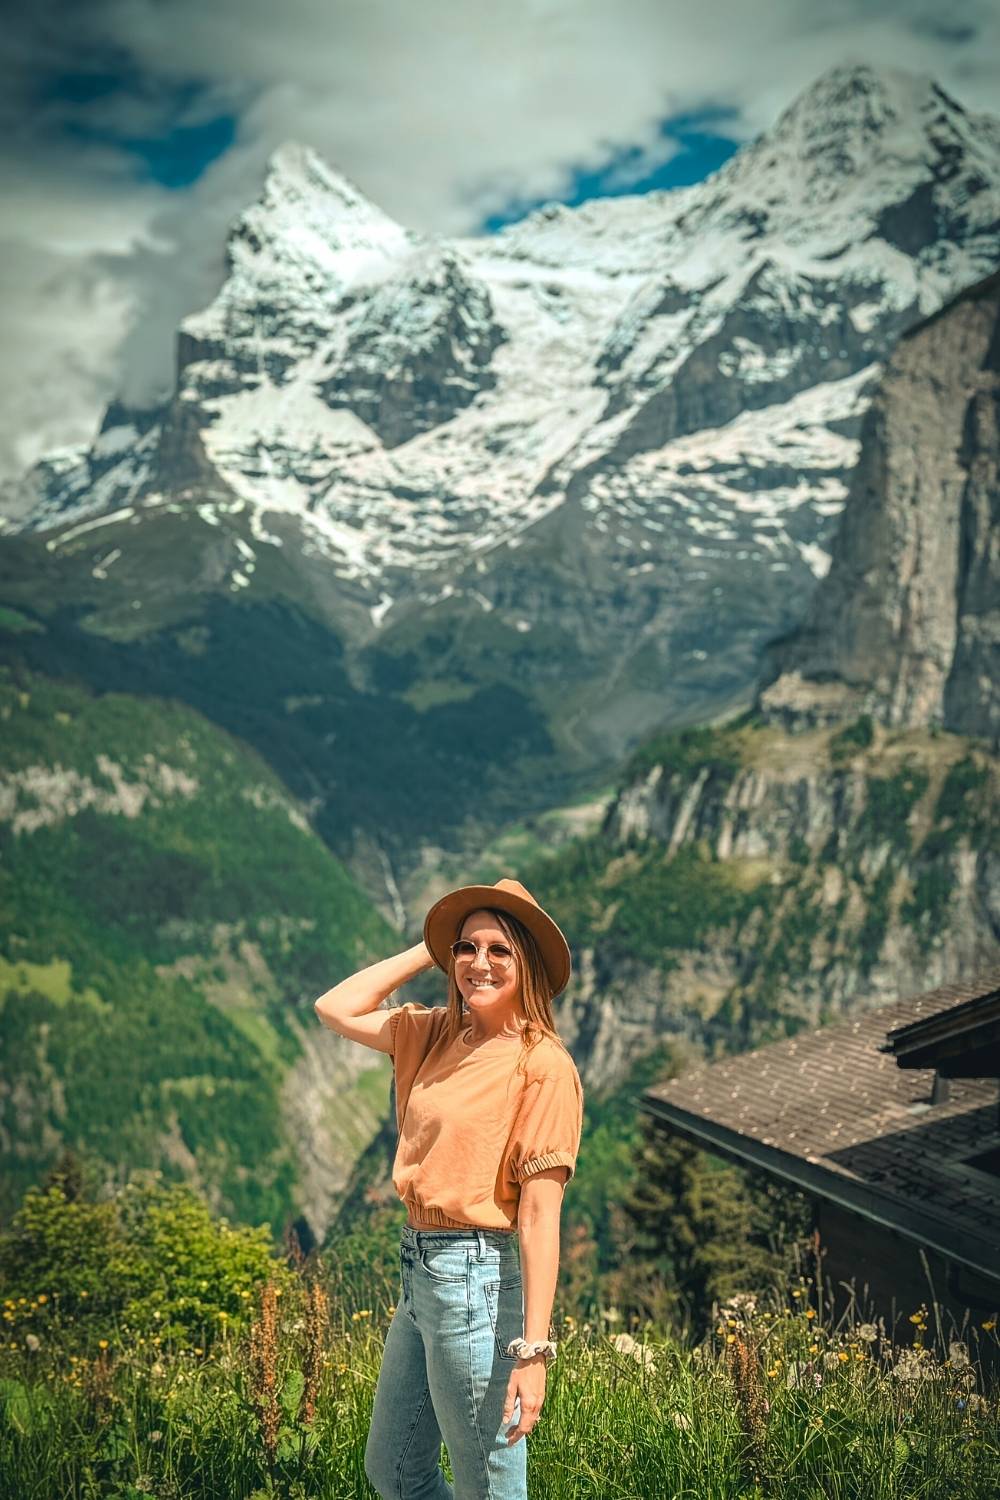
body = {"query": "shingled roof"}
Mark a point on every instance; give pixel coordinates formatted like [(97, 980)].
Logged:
[(829, 1112)]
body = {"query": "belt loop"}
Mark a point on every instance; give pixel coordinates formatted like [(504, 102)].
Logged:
[(481, 1241)]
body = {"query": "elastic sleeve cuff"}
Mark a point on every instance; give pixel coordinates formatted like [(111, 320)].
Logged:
[(550, 1159)]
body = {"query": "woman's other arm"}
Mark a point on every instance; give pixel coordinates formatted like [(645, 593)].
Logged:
[(347, 1007), (538, 1216)]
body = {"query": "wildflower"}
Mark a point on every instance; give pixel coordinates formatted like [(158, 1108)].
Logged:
[(32, 1342), (990, 1324), (740, 1305), (730, 1338), (264, 1369), (868, 1333), (843, 1356), (156, 1437), (813, 1348), (958, 1355), (626, 1344), (42, 1297), (911, 1365), (317, 1320), (810, 1312), (84, 1294), (681, 1420), (102, 1343)]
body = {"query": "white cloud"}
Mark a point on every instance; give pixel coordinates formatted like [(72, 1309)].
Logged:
[(441, 113)]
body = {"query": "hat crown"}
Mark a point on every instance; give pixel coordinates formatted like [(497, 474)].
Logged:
[(516, 889)]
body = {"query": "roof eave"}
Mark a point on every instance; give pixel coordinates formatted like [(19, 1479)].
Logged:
[(976, 1252)]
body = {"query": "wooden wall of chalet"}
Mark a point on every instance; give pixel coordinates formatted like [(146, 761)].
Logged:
[(897, 1283)]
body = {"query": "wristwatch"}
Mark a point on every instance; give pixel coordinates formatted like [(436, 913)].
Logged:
[(522, 1349)]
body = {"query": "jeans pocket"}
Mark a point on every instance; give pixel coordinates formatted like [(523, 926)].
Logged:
[(447, 1263), (505, 1304)]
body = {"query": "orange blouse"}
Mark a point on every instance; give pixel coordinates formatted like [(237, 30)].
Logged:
[(471, 1128)]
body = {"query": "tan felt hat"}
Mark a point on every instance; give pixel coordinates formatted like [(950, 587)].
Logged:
[(442, 923)]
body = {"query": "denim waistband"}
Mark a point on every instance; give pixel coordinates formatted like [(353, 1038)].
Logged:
[(498, 1238)]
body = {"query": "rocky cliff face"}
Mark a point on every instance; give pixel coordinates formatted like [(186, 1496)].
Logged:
[(758, 881), (906, 624), (845, 836)]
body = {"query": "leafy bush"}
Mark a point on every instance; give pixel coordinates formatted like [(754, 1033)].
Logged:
[(150, 1260)]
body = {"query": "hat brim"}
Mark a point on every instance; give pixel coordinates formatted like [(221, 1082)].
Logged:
[(446, 915)]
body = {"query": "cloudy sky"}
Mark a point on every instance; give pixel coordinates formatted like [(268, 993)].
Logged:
[(135, 130)]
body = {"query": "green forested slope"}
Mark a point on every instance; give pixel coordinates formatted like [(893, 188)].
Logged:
[(164, 910)]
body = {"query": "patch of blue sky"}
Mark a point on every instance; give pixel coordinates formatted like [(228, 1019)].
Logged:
[(702, 146), (174, 154)]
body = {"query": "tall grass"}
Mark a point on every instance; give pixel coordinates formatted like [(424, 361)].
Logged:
[(769, 1402)]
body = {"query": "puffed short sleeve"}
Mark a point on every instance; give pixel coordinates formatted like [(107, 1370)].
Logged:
[(548, 1124), (413, 1030)]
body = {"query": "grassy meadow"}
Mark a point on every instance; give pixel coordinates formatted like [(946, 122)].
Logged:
[(151, 1350)]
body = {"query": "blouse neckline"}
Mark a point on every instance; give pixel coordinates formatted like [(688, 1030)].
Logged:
[(465, 1034)]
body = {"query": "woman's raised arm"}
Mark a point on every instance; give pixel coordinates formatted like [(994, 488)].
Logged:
[(342, 1008)]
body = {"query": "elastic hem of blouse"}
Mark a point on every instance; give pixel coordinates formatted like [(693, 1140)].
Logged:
[(433, 1218)]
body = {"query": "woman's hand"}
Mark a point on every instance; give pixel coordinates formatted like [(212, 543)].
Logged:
[(527, 1385)]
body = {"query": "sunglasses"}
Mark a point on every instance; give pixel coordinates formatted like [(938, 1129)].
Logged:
[(496, 953)]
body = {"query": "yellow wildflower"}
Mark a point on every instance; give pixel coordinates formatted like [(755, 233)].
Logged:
[(42, 1297), (102, 1343), (990, 1324), (842, 1356), (810, 1312)]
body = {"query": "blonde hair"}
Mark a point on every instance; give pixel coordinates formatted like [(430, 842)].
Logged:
[(536, 990)]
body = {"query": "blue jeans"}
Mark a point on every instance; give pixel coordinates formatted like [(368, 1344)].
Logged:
[(444, 1371)]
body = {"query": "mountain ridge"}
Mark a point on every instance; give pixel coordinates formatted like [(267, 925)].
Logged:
[(595, 461)]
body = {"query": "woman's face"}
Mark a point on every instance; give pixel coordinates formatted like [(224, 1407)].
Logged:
[(490, 988)]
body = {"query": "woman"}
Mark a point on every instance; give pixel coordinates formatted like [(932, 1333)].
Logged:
[(489, 1109)]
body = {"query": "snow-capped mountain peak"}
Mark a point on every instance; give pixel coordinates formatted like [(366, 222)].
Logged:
[(681, 375), (307, 206)]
